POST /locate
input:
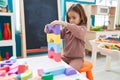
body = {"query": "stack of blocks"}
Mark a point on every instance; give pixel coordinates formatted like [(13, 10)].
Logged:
[(54, 40), (11, 70)]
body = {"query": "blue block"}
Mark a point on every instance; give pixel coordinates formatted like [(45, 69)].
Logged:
[(56, 71), (55, 47), (50, 45)]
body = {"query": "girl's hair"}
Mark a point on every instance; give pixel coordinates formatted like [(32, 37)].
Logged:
[(79, 9)]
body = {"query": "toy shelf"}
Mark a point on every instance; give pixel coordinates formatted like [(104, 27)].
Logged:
[(6, 14), (8, 18)]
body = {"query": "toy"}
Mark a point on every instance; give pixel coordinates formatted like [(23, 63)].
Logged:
[(54, 40)]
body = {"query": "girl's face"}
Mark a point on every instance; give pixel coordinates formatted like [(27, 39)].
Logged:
[(74, 17)]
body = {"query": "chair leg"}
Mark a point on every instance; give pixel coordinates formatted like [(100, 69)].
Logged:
[(89, 75)]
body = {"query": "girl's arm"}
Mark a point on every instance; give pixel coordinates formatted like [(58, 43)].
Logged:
[(77, 31)]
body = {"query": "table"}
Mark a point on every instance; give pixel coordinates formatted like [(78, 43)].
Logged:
[(43, 62), (108, 53)]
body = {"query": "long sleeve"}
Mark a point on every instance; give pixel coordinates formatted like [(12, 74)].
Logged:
[(77, 31), (62, 33)]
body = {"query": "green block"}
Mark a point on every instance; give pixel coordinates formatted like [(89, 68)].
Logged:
[(26, 75), (47, 76), (77, 79)]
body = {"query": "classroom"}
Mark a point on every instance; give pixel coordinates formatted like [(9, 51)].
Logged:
[(59, 39)]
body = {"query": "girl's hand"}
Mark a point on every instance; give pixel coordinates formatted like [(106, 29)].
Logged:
[(52, 24), (45, 29), (58, 22)]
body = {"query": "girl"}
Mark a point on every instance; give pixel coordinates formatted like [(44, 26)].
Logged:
[(73, 34)]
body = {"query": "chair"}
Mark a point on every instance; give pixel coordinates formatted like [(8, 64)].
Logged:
[(87, 67)]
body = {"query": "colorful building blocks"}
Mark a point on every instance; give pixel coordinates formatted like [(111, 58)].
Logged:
[(54, 41)]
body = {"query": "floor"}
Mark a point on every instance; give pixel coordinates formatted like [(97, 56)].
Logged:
[(99, 71)]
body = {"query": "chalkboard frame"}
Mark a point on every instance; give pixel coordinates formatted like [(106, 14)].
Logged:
[(23, 33)]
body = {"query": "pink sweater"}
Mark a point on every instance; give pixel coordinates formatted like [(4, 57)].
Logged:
[(74, 40)]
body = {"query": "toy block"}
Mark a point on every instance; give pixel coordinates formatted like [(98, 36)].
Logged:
[(5, 67), (55, 47), (47, 76), (13, 71), (2, 73), (8, 78), (7, 62), (57, 57), (50, 46), (40, 72), (70, 71), (18, 76), (53, 38), (36, 78), (14, 65), (55, 29), (26, 75), (22, 68), (56, 71), (50, 53), (14, 59), (18, 69)]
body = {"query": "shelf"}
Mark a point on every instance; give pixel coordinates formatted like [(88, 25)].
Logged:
[(6, 43), (5, 14)]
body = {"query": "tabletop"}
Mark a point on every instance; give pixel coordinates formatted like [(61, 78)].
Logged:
[(43, 62)]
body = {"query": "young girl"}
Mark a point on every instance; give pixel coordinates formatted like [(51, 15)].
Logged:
[(73, 34)]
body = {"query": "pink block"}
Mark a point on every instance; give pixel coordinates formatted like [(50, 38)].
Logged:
[(40, 71), (13, 71), (50, 53), (2, 73), (57, 57), (37, 78), (14, 65), (21, 68), (5, 67)]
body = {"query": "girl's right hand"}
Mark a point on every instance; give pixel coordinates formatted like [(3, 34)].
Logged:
[(45, 29)]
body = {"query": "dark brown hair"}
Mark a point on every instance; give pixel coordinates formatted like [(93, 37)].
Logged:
[(79, 9)]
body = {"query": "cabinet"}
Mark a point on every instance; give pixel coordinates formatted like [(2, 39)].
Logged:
[(7, 16), (104, 11), (99, 34)]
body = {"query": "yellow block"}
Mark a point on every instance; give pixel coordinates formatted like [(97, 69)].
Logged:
[(53, 38)]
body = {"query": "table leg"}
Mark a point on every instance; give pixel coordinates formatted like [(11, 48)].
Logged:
[(94, 55), (108, 62)]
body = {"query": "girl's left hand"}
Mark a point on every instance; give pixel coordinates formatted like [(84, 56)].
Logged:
[(54, 23)]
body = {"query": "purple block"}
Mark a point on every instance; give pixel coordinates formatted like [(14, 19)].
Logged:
[(13, 71), (70, 71), (7, 62), (55, 29)]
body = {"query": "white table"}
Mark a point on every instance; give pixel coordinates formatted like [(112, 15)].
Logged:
[(108, 54), (43, 62)]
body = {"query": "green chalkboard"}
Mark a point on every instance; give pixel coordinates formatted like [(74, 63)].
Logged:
[(38, 13)]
